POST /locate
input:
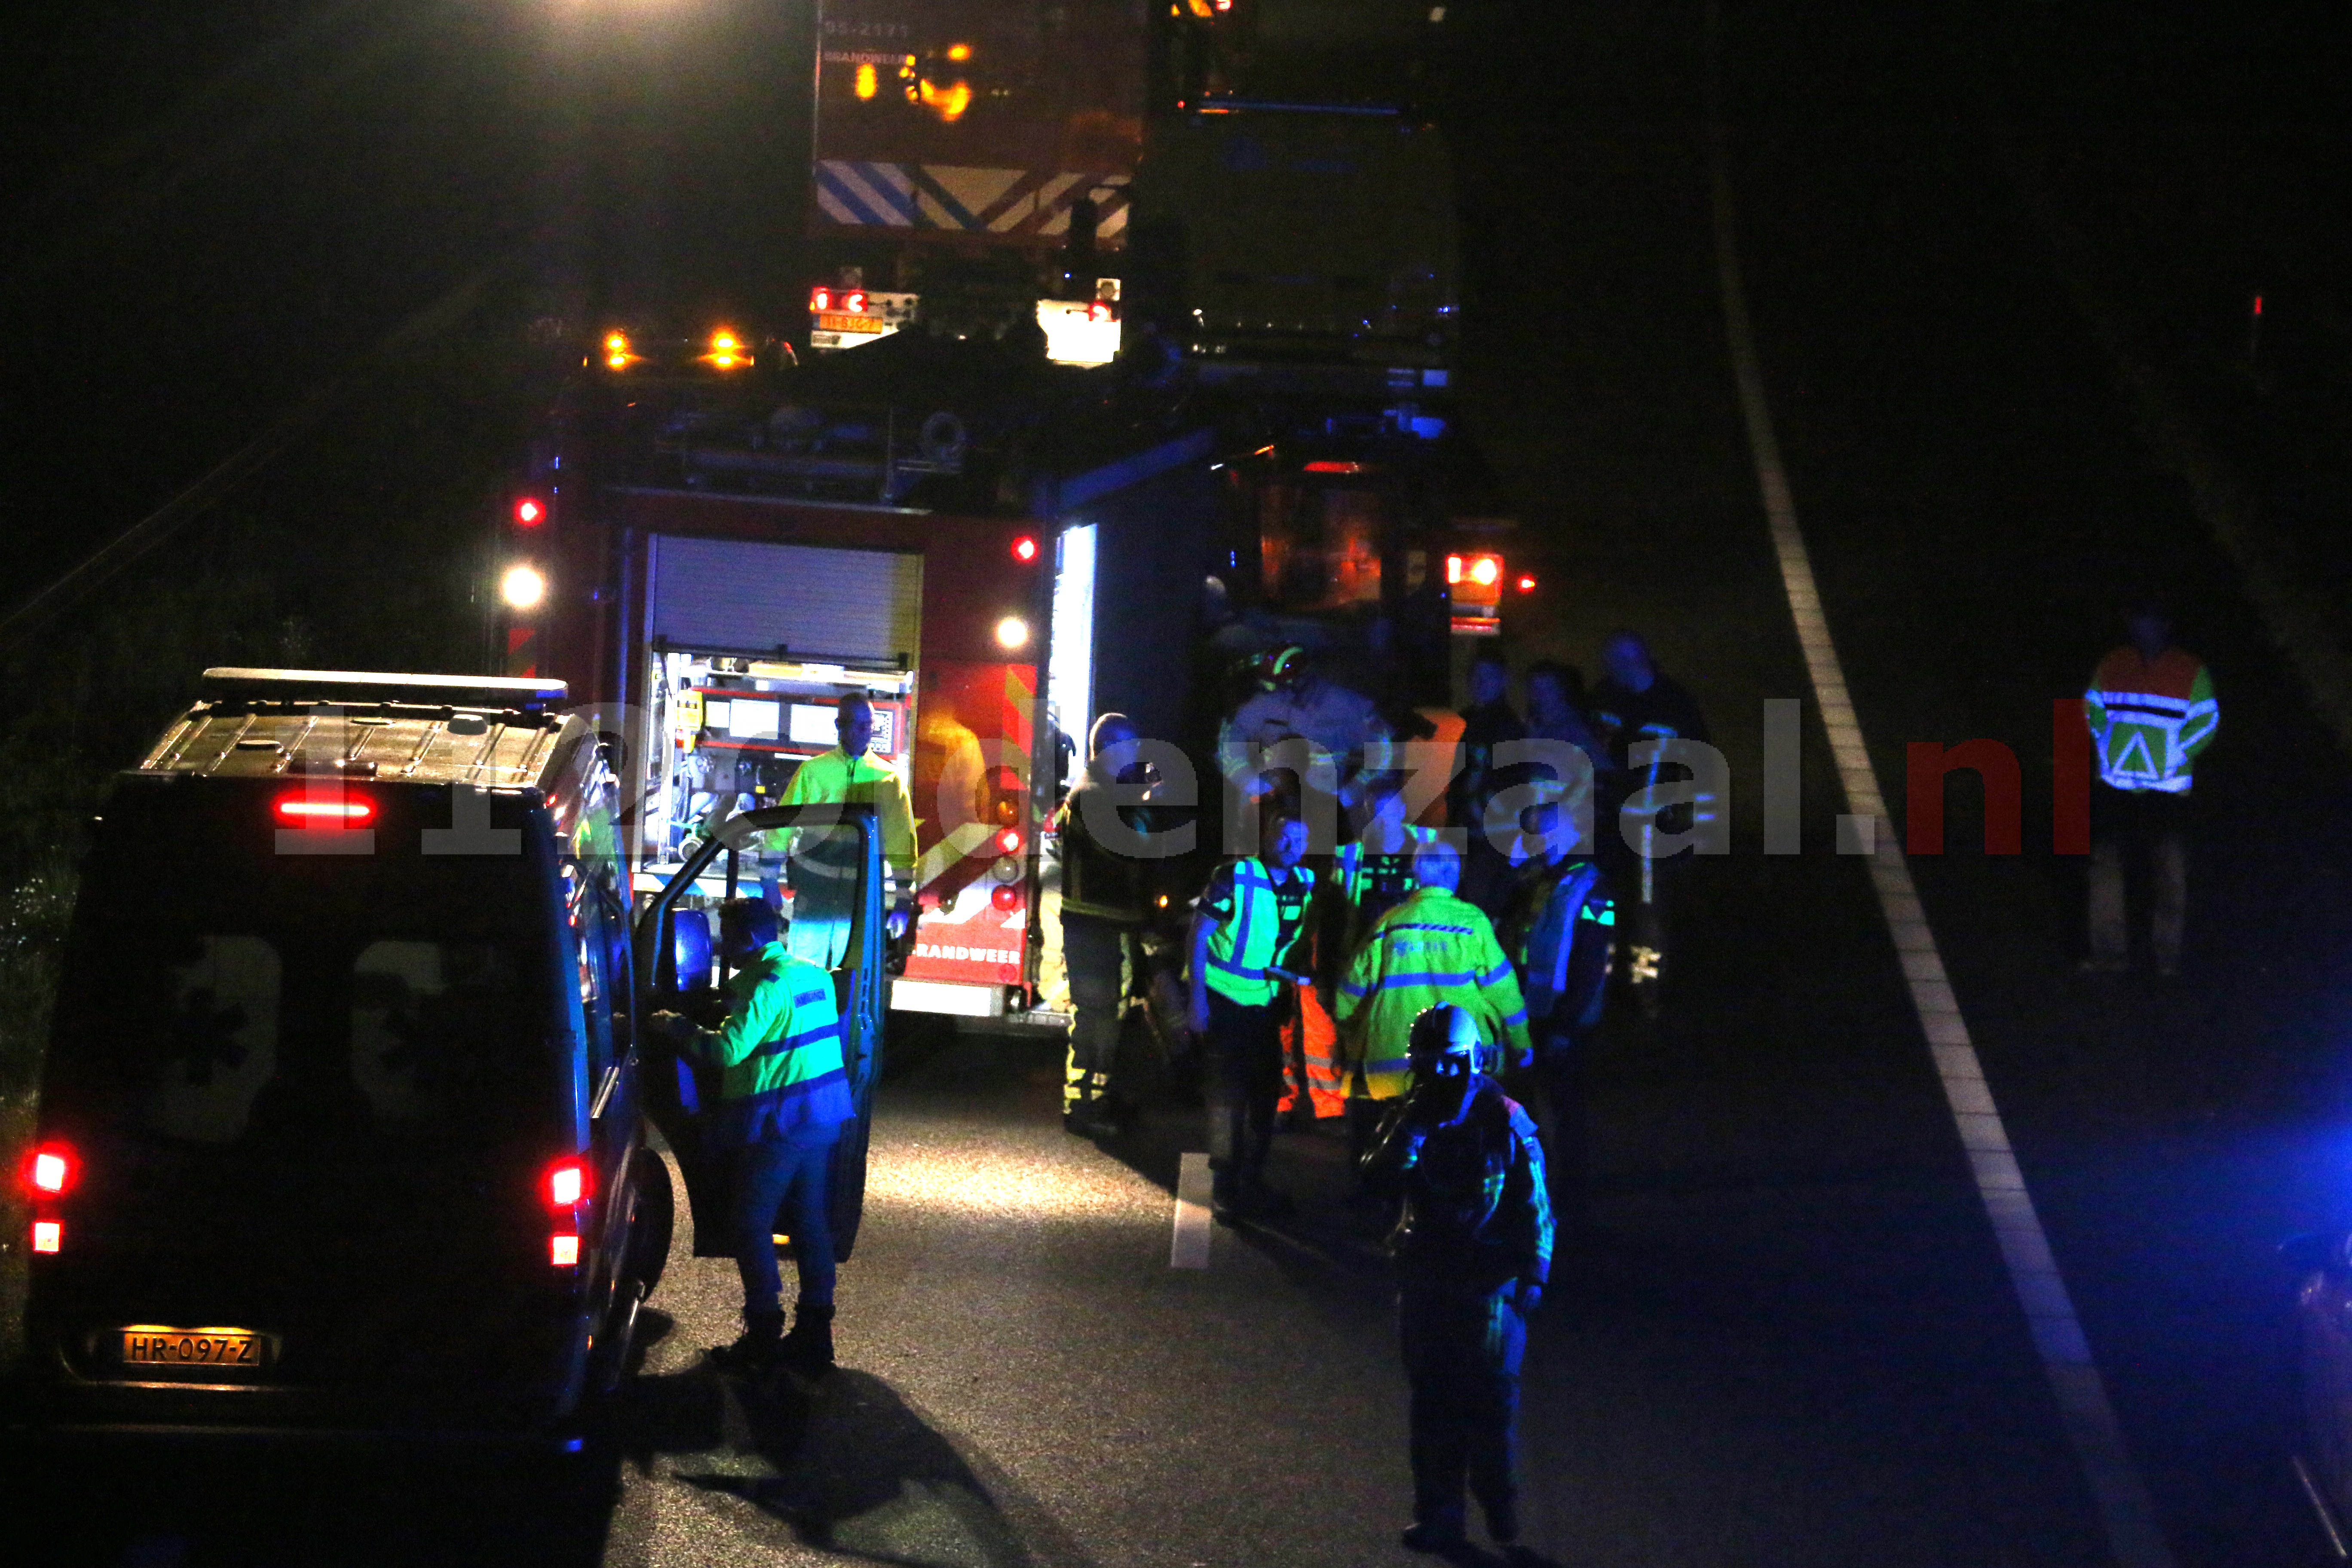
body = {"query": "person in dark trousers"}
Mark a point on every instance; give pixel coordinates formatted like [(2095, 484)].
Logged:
[(1486, 722), (1636, 703), (2152, 712), (783, 1096), (1103, 911), (1472, 1250), (1249, 920), (1561, 934)]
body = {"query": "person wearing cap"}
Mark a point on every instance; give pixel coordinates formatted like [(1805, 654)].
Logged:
[(1103, 911), (1472, 1250), (783, 1096), (1431, 949)]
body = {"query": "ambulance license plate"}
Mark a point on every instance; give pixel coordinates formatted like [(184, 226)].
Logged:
[(232, 1349), (872, 325)]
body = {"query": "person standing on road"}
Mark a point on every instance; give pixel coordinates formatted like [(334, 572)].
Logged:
[(824, 859), (783, 1096), (2151, 711), (1562, 934), (1473, 1248), (1103, 912), (1556, 704), (1431, 950), (1249, 920), (1487, 723), (1637, 702)]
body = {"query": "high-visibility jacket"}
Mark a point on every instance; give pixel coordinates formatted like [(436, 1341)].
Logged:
[(1563, 925), (830, 778), (782, 1078), (1245, 942), (1431, 948), (2148, 720)]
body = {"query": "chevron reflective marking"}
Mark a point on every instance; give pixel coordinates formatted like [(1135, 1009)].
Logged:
[(865, 195)]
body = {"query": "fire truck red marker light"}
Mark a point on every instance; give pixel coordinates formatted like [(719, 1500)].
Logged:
[(563, 1251), (51, 1170), (1333, 466), (309, 811), (48, 1235), (1024, 550), (1526, 584), (1009, 841), (530, 512), (564, 1184), (1007, 896)]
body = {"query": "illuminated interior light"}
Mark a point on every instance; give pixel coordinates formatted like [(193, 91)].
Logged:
[(1011, 632), (48, 1235), (563, 1251), (522, 587)]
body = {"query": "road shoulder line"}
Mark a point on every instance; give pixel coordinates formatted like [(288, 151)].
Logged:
[(2126, 1511)]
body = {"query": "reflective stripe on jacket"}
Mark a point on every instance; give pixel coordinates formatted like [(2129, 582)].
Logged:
[(2149, 720), (1570, 907), (782, 1078), (1431, 948), (1242, 945)]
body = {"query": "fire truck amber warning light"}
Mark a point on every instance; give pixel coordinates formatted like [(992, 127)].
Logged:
[(522, 587), (324, 811), (51, 1169), (1011, 632), (48, 1235), (726, 351)]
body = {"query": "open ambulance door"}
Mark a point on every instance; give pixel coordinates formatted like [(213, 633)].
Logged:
[(674, 949)]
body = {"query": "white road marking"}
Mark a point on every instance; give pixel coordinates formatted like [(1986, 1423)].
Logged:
[(1188, 1247), (2125, 1509)]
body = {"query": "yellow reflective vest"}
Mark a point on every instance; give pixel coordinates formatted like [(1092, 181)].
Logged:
[(1243, 942), (1431, 948)]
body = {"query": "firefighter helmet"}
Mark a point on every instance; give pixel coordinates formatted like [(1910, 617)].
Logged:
[(1444, 1030)]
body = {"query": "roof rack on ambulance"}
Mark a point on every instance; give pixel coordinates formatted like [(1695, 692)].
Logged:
[(228, 684)]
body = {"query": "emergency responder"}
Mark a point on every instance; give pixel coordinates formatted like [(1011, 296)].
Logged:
[(1431, 949), (1561, 933), (1293, 699), (1252, 915), (824, 859), (1103, 912), (1372, 873), (1486, 722), (1472, 1250), (2151, 710), (784, 1095), (1636, 703)]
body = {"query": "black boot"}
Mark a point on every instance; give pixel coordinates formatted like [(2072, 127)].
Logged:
[(809, 1347), (763, 1332)]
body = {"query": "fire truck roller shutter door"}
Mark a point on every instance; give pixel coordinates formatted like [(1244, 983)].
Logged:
[(740, 596)]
